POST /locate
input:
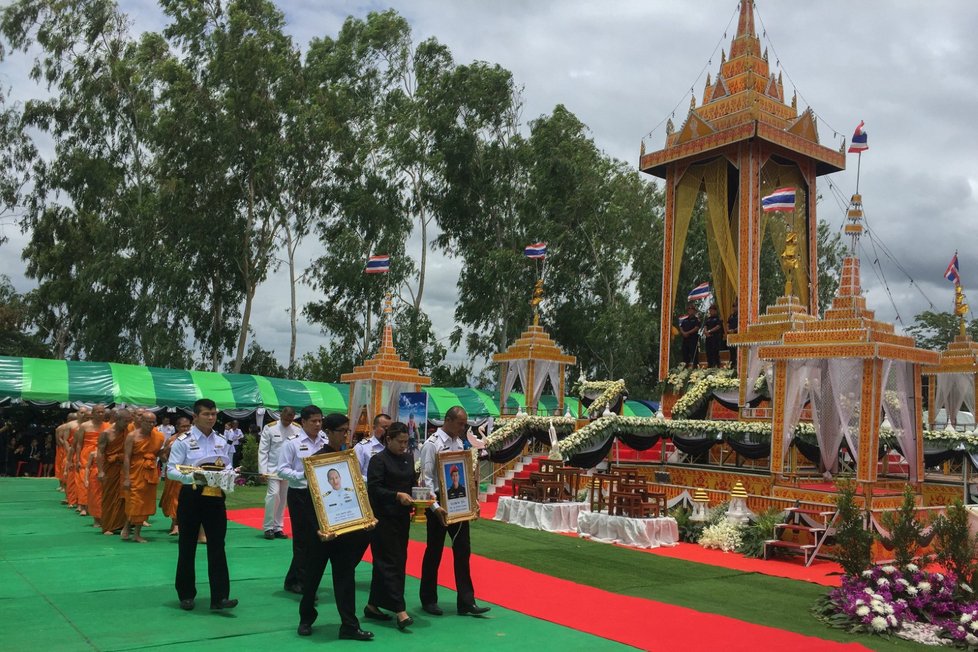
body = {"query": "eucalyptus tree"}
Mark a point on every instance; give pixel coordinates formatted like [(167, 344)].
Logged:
[(104, 292), (227, 91)]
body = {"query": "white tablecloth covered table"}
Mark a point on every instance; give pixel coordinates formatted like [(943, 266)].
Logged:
[(551, 517), (636, 532)]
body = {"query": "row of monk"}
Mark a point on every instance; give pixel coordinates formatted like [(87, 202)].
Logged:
[(107, 465)]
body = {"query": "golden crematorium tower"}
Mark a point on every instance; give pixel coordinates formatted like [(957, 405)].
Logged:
[(741, 144)]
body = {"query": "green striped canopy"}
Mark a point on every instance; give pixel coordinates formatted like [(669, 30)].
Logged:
[(58, 381)]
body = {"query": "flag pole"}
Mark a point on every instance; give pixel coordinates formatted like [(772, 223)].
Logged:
[(859, 161)]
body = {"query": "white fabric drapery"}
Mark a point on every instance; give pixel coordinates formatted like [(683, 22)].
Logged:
[(900, 407), (550, 517), (952, 391), (795, 392), (541, 372), (846, 377), (363, 394), (635, 532)]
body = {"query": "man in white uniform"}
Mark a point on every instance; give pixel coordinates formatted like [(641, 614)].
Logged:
[(375, 443), (273, 436)]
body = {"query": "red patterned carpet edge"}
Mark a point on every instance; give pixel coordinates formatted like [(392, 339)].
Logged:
[(642, 623)]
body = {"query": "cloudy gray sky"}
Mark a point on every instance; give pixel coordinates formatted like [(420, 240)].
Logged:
[(907, 68)]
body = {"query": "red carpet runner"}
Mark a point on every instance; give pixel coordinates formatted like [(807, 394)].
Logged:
[(645, 624)]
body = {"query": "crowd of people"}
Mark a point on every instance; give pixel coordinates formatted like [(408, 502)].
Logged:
[(108, 465)]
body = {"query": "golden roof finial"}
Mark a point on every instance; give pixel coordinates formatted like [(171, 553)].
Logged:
[(960, 308)]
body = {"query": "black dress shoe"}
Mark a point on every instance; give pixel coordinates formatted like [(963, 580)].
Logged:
[(375, 615), (224, 604), (472, 610), (187, 605), (355, 634), (404, 624), (269, 535), (294, 588), (432, 609), (304, 630), (280, 535)]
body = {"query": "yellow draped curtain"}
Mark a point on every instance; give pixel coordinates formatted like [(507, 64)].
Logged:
[(710, 178), (774, 176)]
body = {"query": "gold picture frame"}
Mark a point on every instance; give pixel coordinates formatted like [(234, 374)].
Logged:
[(338, 492), (459, 497)]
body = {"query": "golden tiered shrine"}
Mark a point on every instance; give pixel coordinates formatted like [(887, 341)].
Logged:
[(954, 381), (376, 385), (742, 143), (533, 353)]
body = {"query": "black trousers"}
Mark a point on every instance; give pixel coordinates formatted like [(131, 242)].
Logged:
[(461, 550), (390, 546), (302, 515), (689, 349), (193, 511), (713, 345), (344, 552)]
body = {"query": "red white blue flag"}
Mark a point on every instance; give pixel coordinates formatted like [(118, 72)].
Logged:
[(536, 250), (782, 199), (952, 273), (860, 141), (378, 264), (701, 291)]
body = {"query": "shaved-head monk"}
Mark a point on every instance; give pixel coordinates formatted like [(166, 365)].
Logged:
[(61, 442), (86, 441), (111, 445), (71, 467), (140, 474)]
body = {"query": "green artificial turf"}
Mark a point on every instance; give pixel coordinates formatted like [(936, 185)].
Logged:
[(65, 586)]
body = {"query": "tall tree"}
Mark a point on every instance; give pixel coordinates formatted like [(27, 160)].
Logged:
[(935, 330), (103, 290), (225, 102)]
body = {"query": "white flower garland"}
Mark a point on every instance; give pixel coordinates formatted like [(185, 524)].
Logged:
[(698, 393), (516, 427), (610, 390)]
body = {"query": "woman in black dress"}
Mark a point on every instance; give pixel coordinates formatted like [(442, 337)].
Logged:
[(390, 478)]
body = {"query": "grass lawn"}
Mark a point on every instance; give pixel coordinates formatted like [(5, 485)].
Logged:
[(751, 597)]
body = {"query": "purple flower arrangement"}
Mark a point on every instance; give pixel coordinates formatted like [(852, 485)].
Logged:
[(887, 600)]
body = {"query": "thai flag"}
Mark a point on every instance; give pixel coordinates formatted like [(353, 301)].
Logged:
[(701, 291), (952, 273), (536, 250), (860, 141), (782, 199), (378, 265)]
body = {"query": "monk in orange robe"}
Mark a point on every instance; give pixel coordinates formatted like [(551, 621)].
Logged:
[(111, 449), (140, 474), (61, 442), (171, 489), (86, 442), (71, 476)]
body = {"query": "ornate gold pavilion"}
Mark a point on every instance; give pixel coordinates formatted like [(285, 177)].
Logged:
[(376, 385), (533, 358), (952, 383), (742, 143)]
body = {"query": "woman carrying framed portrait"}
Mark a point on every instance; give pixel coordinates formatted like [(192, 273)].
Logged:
[(390, 478)]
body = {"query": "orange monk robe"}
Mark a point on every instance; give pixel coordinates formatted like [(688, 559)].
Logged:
[(171, 497), (59, 463), (143, 477), (94, 491), (89, 444), (71, 490), (113, 498)]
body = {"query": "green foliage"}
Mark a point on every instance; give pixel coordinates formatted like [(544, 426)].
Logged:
[(260, 362), (854, 541), (906, 532), (324, 365), (956, 549), (689, 531), (249, 460), (759, 530), (935, 330), (15, 338), (451, 376)]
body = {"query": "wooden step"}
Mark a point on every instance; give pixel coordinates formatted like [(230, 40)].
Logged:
[(810, 511), (794, 527), (778, 543)]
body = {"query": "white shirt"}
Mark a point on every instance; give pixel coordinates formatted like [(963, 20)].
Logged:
[(193, 449), (273, 437), (365, 449), (167, 430), (439, 442), (290, 466)]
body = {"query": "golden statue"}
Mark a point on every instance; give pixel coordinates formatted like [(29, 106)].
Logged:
[(790, 260), (536, 300), (960, 307)]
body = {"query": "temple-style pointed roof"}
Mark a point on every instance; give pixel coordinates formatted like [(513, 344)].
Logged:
[(386, 365), (534, 344), (961, 356), (745, 101), (848, 330)]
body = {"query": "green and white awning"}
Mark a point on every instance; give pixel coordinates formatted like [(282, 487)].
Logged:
[(59, 381)]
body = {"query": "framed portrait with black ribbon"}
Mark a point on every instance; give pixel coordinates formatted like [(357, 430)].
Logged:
[(338, 492), (458, 490)]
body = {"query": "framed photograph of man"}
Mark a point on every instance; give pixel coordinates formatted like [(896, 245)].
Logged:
[(338, 492), (458, 492)]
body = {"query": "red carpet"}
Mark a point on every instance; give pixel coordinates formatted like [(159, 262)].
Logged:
[(645, 624)]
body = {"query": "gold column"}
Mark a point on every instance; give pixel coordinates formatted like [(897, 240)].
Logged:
[(931, 397), (869, 423), (777, 425), (530, 368), (918, 406), (666, 305)]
